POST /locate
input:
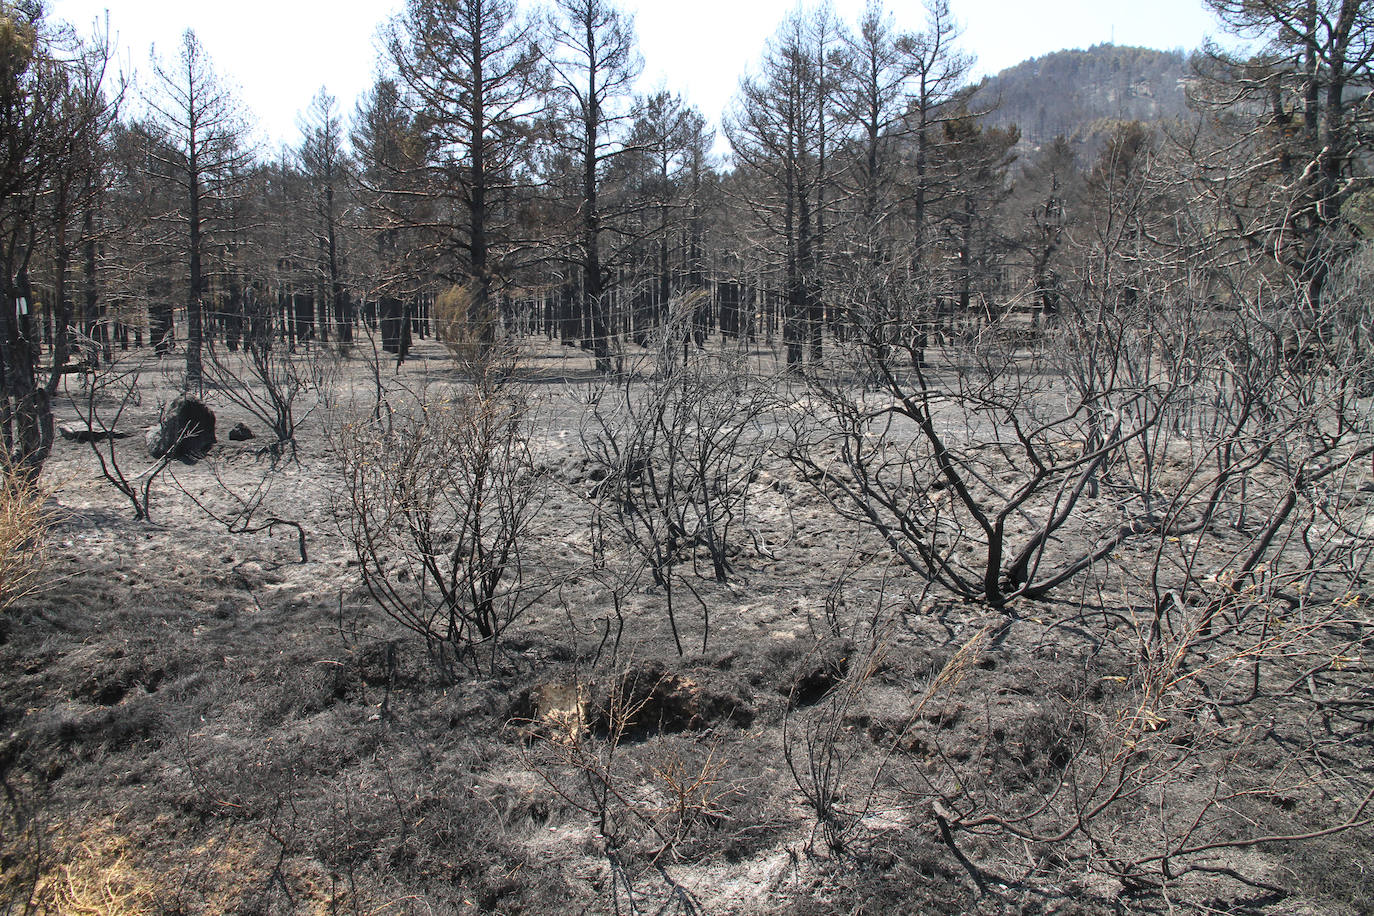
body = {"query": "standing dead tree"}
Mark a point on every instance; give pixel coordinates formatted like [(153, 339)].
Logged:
[(472, 67), (201, 151), (777, 133), (54, 114), (592, 62)]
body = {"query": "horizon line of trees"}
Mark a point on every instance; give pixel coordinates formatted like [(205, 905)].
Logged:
[(501, 177)]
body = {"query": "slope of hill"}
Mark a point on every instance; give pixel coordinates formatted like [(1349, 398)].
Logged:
[(1066, 92)]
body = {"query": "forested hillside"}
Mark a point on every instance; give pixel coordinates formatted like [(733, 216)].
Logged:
[(1074, 92)]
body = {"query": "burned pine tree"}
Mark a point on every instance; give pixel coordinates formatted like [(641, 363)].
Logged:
[(594, 64), (391, 151), (53, 112), (470, 66), (201, 148)]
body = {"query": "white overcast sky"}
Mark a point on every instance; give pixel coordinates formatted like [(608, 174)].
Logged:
[(276, 54)]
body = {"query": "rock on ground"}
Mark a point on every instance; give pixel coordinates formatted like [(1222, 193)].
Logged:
[(80, 432), (187, 431)]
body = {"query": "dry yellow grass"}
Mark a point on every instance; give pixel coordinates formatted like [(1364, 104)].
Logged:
[(24, 521), (99, 885), (467, 335)]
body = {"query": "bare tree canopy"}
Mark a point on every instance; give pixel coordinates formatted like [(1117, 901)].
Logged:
[(201, 147)]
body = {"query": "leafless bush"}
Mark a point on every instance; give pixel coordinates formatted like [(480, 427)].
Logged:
[(438, 504), (103, 402), (240, 510), (267, 379), (821, 754), (982, 475), (645, 806), (1153, 417), (677, 451), (1199, 460), (1224, 692)]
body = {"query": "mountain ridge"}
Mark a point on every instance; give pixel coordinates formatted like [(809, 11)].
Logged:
[(1067, 92)]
